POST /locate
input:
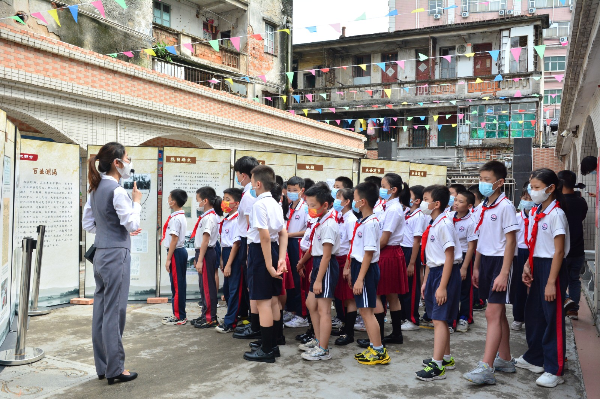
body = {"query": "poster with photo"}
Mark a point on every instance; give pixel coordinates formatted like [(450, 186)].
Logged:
[(48, 194), (284, 165), (144, 255), (190, 169), (325, 168)]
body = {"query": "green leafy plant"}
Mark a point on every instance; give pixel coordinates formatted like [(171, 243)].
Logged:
[(161, 52)]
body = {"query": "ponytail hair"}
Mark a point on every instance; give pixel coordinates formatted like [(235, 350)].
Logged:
[(209, 194), (277, 194), (105, 157), (548, 177), (394, 180)]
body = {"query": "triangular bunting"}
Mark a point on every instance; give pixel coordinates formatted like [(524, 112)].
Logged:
[(498, 78), (312, 29), (171, 49), (229, 80), (305, 112), (559, 77), (74, 11), (284, 99), (121, 3), (516, 52), (128, 54), (518, 93), (494, 54), (100, 7), (18, 19), (447, 58), (284, 30), (460, 116), (532, 123), (452, 102), (263, 78), (290, 76), (257, 36), (417, 10), (435, 117), (39, 16), (478, 80), (296, 97), (400, 64), (188, 46), (363, 67), (332, 110), (150, 51), (313, 71), (310, 97), (362, 17), (469, 55), (381, 65), (324, 95), (236, 42), (404, 128), (214, 44), (338, 121), (388, 92), (54, 14), (422, 57), (540, 50), (336, 27), (392, 13)]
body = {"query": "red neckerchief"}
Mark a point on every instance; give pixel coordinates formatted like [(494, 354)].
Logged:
[(339, 218), (455, 219), (380, 202), (167, 224), (312, 233), (426, 236), (356, 225), (485, 208), (198, 222), (235, 215), (534, 231), (292, 210), (409, 215)]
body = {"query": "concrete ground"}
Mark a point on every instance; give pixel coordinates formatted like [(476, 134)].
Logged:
[(184, 362)]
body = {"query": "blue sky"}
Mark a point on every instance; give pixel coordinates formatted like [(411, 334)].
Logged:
[(321, 13)]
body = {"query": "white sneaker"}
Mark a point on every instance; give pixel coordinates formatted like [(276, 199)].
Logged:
[(516, 325), (549, 380), (359, 325), (297, 322), (336, 323), (312, 344), (524, 364), (287, 316), (317, 354), (462, 326), (409, 326), (451, 330)]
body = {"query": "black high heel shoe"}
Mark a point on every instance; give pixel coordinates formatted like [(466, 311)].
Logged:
[(123, 378)]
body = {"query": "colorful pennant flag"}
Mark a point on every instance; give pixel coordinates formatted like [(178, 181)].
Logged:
[(54, 14), (404, 128), (128, 54), (388, 92), (292, 112), (435, 117), (122, 3), (332, 110), (400, 64), (336, 27), (422, 57), (305, 112), (478, 80), (236, 42), (392, 13), (310, 97), (284, 99), (39, 16), (494, 54), (296, 97), (540, 50), (469, 55), (313, 71), (324, 95), (284, 30), (559, 77), (214, 44), (381, 65), (312, 29), (516, 52), (150, 51), (518, 93), (417, 10), (18, 19), (447, 58), (498, 78), (369, 92), (171, 49), (188, 46), (229, 80), (74, 11), (290, 76), (263, 78), (257, 36), (100, 7), (363, 67), (362, 17), (324, 70)]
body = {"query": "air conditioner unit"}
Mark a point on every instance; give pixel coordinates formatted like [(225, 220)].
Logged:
[(532, 10), (463, 48), (464, 14), (510, 12), (571, 8), (501, 12), (437, 16), (564, 39)]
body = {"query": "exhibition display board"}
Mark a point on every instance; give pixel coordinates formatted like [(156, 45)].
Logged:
[(5, 272), (48, 194), (426, 175), (325, 169), (143, 246), (283, 164), (190, 169)]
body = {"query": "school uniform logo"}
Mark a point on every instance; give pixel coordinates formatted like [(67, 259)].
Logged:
[(494, 217), (461, 229), (226, 231), (297, 217), (359, 234), (544, 226), (432, 238)]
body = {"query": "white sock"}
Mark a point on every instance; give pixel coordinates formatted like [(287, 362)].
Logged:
[(438, 362), (447, 357)]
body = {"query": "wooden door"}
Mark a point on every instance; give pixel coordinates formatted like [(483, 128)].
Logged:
[(482, 61), (423, 72), (390, 73)]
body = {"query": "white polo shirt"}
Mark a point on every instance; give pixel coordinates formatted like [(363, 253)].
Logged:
[(497, 222), (326, 231), (297, 217), (177, 226), (346, 229), (442, 236), (367, 237), (230, 230), (394, 222), (305, 241), (553, 224), (465, 228), (266, 214), (521, 216), (244, 209), (379, 209), (209, 223), (416, 223)]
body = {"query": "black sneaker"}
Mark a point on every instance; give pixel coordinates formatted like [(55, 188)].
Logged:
[(260, 356), (241, 328), (306, 339), (480, 306), (393, 339), (208, 324), (247, 334), (344, 340), (448, 365), (363, 343), (431, 372), (199, 320)]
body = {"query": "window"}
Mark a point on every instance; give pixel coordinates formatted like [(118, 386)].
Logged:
[(521, 65), (435, 7), (209, 31), (483, 6), (558, 29), (502, 121), (549, 3), (362, 76), (162, 14), (557, 63), (521, 117), (269, 38), (552, 96), (447, 69), (310, 80)]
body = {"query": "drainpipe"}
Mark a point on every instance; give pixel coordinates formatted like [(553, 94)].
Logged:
[(289, 62)]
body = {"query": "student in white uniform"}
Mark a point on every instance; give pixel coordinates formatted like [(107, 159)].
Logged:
[(380, 204), (547, 279), (325, 243), (441, 289), (497, 228), (243, 172), (205, 236), (518, 288), (416, 223)]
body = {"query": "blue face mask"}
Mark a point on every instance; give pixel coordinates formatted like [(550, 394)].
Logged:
[(306, 209), (411, 203), (451, 200), (292, 196), (529, 189), (527, 205), (237, 181), (593, 172), (334, 192), (354, 208), (486, 189), (253, 193), (383, 193), (337, 205)]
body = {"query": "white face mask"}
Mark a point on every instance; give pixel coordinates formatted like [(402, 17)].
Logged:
[(539, 196), (425, 208), (126, 170)]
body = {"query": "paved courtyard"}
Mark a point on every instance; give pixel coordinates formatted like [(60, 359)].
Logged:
[(184, 362)]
